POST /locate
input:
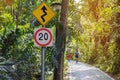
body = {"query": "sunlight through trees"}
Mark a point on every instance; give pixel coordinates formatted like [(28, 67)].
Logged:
[(91, 26)]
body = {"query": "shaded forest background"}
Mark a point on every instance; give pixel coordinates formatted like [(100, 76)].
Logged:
[(93, 28)]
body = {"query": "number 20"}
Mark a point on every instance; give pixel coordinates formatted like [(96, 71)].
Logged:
[(43, 36)]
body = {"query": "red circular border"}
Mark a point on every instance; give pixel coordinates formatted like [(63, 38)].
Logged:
[(40, 43)]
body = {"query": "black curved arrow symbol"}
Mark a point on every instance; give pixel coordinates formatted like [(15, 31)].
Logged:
[(45, 13)]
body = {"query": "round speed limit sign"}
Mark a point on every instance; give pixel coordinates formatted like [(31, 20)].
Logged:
[(43, 37)]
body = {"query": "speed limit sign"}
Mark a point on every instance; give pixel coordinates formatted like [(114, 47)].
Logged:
[(43, 37)]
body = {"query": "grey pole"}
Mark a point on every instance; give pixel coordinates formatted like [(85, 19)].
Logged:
[(42, 63)]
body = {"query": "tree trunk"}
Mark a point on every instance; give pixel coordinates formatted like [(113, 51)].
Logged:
[(18, 13), (116, 65), (61, 40)]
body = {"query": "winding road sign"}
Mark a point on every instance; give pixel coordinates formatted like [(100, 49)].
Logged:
[(43, 37), (43, 13)]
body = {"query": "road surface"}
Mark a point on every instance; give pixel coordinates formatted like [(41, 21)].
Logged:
[(82, 71)]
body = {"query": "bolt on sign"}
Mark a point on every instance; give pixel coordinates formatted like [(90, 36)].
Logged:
[(43, 13)]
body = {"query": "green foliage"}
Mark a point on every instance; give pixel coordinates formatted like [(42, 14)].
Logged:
[(7, 70), (92, 28), (95, 31), (50, 58), (17, 45)]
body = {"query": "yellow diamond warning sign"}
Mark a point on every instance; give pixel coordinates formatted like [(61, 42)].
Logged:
[(43, 13)]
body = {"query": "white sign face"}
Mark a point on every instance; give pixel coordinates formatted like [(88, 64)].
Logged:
[(43, 37)]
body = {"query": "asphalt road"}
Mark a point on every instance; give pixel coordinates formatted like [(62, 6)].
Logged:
[(82, 71)]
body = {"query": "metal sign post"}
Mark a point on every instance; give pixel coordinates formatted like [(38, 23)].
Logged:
[(43, 60), (43, 63), (43, 37)]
